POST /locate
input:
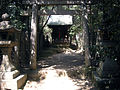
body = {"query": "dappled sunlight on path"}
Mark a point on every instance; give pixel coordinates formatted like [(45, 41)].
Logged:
[(61, 71), (56, 79)]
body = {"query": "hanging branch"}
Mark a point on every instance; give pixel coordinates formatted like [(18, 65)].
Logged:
[(47, 19)]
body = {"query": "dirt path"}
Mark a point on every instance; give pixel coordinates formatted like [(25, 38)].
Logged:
[(63, 71)]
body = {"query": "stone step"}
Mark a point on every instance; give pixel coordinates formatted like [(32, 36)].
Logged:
[(9, 75), (14, 84), (15, 73)]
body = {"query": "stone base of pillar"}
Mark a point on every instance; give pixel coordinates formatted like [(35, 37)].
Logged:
[(12, 80)]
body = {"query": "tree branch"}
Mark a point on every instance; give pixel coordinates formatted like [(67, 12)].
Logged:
[(47, 19)]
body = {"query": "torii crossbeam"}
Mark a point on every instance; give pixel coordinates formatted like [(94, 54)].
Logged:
[(53, 12), (53, 2)]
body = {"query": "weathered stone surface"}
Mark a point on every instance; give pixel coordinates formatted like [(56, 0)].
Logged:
[(5, 16), (15, 73), (103, 82), (14, 84), (6, 64), (107, 74), (5, 24), (8, 84), (9, 75), (21, 80), (108, 68), (9, 78), (33, 37)]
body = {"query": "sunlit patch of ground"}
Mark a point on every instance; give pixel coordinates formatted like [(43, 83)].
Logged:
[(62, 71), (57, 79)]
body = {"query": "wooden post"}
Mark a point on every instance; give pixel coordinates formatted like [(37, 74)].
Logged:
[(33, 37), (86, 36)]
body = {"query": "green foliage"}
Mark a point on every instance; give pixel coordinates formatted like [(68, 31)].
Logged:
[(47, 32), (106, 17), (76, 27), (15, 18), (96, 17)]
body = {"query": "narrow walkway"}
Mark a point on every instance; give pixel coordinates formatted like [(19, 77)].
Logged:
[(63, 71)]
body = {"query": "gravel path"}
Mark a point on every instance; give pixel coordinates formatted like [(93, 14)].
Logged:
[(63, 71)]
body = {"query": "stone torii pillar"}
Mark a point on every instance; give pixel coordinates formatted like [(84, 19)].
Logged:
[(33, 37)]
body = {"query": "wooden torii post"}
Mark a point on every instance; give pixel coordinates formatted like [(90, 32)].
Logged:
[(33, 37), (34, 18)]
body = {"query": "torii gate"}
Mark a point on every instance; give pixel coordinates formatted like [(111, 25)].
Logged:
[(34, 18)]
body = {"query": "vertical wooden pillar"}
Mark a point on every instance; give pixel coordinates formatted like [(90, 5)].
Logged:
[(33, 37), (86, 36)]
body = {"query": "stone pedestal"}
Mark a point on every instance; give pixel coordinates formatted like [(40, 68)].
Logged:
[(10, 78), (6, 64), (107, 75)]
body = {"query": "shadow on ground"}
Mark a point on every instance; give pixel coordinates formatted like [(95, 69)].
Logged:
[(61, 71)]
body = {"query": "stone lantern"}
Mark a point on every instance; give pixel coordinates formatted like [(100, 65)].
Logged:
[(8, 39), (107, 73)]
